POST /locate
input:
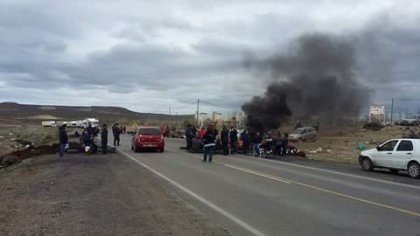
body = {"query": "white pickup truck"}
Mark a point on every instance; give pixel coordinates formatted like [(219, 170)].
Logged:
[(395, 155)]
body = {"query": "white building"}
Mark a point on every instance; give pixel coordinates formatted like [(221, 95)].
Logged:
[(377, 114)]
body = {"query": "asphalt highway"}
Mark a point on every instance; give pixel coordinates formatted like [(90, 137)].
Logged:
[(252, 196)]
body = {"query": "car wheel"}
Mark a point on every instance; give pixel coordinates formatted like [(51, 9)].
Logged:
[(132, 148), (366, 164), (414, 170), (135, 149)]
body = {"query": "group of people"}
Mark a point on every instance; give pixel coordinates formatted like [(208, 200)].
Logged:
[(231, 138), (266, 144), (88, 136)]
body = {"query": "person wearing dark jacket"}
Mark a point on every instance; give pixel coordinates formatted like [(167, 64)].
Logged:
[(233, 135), (63, 139), (209, 141), (104, 139), (224, 137), (285, 144), (245, 141), (189, 136), (116, 131), (256, 141)]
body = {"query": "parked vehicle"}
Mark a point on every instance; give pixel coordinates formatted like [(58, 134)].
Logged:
[(179, 133), (49, 124), (409, 122), (395, 155), (303, 134), (148, 137)]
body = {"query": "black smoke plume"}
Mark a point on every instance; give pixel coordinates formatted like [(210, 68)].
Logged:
[(316, 80)]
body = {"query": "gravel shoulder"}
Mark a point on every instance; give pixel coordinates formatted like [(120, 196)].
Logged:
[(93, 195)]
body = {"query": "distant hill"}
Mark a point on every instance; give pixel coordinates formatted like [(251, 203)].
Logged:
[(10, 110)]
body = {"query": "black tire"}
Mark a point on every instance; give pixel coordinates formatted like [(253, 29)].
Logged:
[(135, 149), (413, 170), (132, 148), (366, 164)]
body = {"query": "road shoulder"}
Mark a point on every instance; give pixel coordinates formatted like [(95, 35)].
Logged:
[(85, 195)]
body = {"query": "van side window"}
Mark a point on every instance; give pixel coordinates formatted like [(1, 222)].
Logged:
[(405, 145), (389, 146)]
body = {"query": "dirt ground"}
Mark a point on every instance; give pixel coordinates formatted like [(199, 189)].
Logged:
[(17, 136), (340, 144), (93, 195)]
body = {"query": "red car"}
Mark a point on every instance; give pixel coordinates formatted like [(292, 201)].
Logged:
[(148, 138)]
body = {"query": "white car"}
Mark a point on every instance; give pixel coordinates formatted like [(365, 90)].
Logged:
[(394, 154)]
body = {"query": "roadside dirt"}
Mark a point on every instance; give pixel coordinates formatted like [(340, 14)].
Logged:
[(93, 195), (341, 144)]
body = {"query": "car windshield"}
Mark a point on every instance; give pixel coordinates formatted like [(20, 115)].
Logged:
[(388, 146), (149, 131)]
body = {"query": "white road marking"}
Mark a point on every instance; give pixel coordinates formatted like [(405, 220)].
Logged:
[(258, 173), (408, 212), (198, 197), (337, 173)]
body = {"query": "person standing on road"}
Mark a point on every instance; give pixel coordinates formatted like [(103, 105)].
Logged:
[(104, 139), (256, 141), (189, 136), (285, 144), (209, 141), (245, 141), (63, 139), (116, 131), (224, 137), (233, 140)]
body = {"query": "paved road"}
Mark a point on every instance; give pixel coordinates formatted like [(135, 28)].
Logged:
[(251, 196)]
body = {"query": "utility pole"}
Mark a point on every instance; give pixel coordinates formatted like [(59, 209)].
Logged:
[(198, 110), (392, 109), (169, 110)]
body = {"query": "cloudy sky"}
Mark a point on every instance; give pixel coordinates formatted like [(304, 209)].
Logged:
[(149, 55)]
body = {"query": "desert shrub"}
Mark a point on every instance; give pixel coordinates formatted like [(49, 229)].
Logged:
[(373, 126)]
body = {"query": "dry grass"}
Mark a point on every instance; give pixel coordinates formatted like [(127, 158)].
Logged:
[(15, 137), (343, 142)]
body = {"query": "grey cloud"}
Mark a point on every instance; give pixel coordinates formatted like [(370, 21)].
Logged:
[(184, 50)]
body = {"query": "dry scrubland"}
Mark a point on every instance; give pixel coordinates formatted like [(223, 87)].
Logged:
[(342, 142), (15, 137)]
